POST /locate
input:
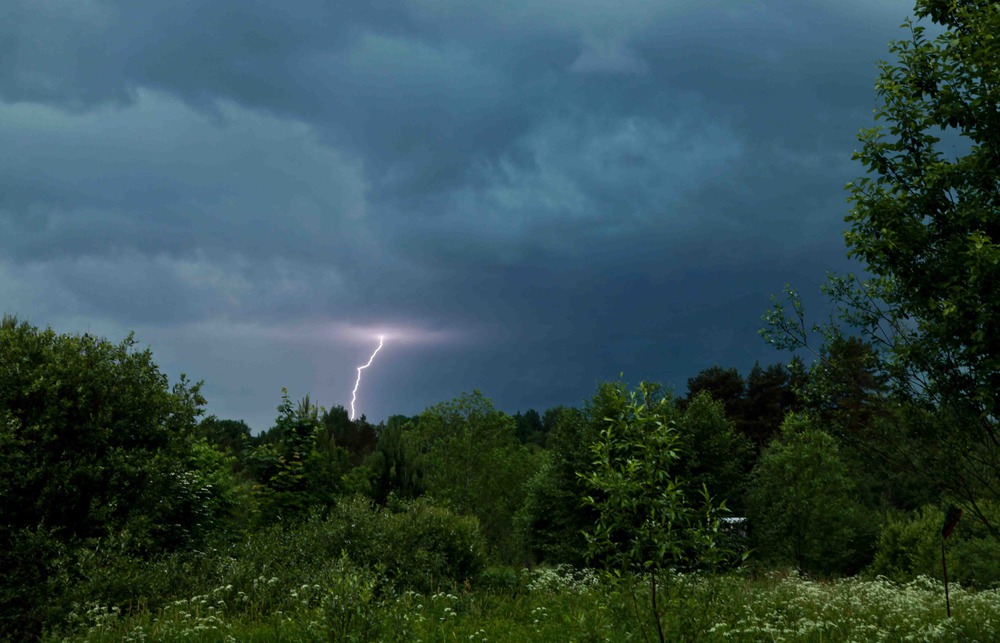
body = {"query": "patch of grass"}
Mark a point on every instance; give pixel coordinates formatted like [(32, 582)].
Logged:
[(351, 603)]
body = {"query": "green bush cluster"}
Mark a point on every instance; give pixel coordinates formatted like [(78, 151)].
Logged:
[(417, 545), (910, 546)]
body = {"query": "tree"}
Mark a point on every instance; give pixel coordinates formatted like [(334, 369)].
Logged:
[(358, 436), (393, 471), (925, 223), (472, 460), (229, 436), (649, 521), (848, 394), (553, 517), (770, 396), (723, 384), (712, 454), (847, 388), (298, 465), (94, 445), (928, 226), (530, 428), (801, 505)]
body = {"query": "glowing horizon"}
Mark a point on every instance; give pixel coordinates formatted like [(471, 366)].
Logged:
[(357, 383)]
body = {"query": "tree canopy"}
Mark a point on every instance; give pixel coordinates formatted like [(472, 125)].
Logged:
[(925, 223), (95, 445)]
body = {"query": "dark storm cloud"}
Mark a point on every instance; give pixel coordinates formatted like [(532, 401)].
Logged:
[(590, 187)]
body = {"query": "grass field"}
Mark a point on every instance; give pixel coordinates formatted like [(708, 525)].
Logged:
[(559, 604)]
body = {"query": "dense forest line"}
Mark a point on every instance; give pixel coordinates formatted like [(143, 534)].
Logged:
[(117, 493)]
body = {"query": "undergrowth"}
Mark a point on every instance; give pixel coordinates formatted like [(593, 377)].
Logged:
[(345, 602)]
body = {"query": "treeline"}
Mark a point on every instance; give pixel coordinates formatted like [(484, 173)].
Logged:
[(106, 468)]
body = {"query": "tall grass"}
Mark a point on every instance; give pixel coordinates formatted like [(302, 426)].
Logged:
[(344, 602)]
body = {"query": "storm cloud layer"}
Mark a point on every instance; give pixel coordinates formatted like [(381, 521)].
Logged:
[(533, 196)]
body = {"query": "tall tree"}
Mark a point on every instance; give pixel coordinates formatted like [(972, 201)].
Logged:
[(770, 397), (553, 517), (723, 384), (712, 453), (802, 506), (847, 388), (298, 465), (925, 223), (472, 460), (358, 437), (393, 469), (648, 518), (530, 428), (229, 436)]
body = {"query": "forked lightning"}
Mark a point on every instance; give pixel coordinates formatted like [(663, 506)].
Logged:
[(354, 393)]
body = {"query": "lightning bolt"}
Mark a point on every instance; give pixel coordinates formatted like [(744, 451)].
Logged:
[(354, 393)]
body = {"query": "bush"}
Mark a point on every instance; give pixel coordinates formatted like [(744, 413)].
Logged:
[(419, 545), (501, 580), (416, 546), (94, 445), (910, 546), (350, 606)]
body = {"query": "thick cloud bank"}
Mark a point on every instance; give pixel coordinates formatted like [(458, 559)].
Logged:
[(523, 197)]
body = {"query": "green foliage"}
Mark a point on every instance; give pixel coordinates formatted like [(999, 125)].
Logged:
[(712, 454), (85, 421), (358, 437), (338, 600), (413, 545), (297, 465), (925, 225), (393, 471), (801, 506), (772, 393), (337, 569), (229, 436), (723, 384), (647, 522), (94, 444), (756, 406), (351, 605), (472, 461), (847, 392), (910, 546), (553, 517), (432, 547), (847, 388), (32, 593), (925, 222), (530, 428), (647, 518)]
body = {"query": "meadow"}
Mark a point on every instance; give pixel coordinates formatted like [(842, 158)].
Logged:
[(343, 602)]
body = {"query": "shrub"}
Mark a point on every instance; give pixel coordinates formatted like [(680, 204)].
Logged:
[(350, 606), (94, 444), (416, 546), (910, 546), (501, 580)]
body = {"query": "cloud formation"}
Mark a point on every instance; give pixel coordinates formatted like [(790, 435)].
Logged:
[(538, 195)]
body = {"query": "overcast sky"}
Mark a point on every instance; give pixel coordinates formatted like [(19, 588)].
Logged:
[(527, 197)]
